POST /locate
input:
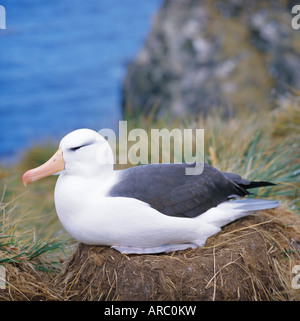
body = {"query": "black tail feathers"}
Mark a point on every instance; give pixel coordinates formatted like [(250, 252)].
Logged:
[(257, 184)]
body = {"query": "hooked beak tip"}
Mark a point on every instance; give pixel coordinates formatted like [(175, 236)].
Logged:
[(54, 165), (26, 178)]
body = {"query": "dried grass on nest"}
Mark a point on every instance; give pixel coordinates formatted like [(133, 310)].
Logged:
[(250, 259), (25, 283)]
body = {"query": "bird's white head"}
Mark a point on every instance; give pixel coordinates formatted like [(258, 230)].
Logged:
[(82, 152)]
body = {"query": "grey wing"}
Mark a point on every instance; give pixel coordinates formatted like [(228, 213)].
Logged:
[(167, 189)]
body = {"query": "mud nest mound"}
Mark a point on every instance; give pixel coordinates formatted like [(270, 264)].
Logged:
[(250, 259)]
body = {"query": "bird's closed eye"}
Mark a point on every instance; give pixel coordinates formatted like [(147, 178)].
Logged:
[(77, 147)]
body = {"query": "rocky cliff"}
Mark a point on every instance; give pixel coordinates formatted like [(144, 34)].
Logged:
[(202, 54)]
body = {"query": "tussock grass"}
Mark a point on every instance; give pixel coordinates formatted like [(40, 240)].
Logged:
[(22, 240), (31, 253)]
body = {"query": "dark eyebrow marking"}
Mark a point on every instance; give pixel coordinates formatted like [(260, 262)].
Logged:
[(77, 147)]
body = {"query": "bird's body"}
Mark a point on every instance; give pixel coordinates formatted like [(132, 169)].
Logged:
[(146, 209), (98, 218)]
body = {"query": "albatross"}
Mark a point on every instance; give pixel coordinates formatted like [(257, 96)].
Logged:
[(150, 208)]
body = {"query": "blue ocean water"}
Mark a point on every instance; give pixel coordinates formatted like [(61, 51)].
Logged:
[(61, 66)]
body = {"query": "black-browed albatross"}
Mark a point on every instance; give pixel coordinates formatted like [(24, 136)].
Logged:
[(144, 209)]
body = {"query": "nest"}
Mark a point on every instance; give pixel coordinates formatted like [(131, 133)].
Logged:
[(250, 259)]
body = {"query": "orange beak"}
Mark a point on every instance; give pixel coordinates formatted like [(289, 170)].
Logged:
[(54, 165)]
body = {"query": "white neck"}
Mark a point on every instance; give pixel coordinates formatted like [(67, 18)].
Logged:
[(71, 190)]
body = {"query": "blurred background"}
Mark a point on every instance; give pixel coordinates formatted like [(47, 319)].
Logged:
[(62, 65), (72, 64)]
